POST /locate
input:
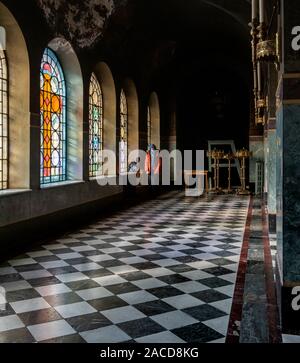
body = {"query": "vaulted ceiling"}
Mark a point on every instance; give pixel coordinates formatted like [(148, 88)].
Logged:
[(193, 49)]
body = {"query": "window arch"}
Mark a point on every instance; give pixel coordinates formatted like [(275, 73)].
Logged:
[(3, 121), (149, 126), (95, 126), (53, 120), (124, 133), (154, 110), (109, 96)]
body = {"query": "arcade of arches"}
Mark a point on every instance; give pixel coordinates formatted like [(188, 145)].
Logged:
[(84, 259)]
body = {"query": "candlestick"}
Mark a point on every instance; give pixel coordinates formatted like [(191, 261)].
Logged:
[(259, 77), (261, 11), (254, 9)]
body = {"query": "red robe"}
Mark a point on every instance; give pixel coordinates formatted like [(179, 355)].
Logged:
[(153, 164)]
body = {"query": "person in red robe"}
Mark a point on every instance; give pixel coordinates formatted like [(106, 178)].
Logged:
[(153, 163)]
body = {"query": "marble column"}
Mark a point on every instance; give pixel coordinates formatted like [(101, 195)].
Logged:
[(288, 172), (257, 148), (271, 152), (271, 146), (270, 166)]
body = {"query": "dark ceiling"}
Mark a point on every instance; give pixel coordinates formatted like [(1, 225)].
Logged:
[(192, 49), (151, 34), (163, 31)]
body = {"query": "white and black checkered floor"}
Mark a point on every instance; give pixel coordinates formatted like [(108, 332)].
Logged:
[(161, 272)]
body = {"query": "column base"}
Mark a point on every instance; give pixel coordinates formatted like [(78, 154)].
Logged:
[(272, 223), (289, 318)]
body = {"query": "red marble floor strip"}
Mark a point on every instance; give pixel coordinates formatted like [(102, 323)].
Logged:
[(233, 334), (272, 307)]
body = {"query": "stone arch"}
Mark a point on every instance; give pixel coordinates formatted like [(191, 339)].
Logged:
[(74, 90), (18, 102), (155, 119), (133, 119), (107, 83)]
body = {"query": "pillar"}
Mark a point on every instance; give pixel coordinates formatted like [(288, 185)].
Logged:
[(288, 169), (271, 147), (271, 165)]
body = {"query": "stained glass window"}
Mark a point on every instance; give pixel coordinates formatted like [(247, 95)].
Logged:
[(124, 133), (96, 127), (53, 120), (3, 122), (149, 126)]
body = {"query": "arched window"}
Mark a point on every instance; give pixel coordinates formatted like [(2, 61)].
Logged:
[(124, 133), (53, 120), (96, 127), (3, 122), (149, 126), (154, 120)]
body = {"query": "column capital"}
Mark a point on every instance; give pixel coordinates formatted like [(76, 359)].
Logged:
[(290, 40)]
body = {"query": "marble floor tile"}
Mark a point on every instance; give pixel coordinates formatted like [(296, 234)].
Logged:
[(50, 330), (163, 271)]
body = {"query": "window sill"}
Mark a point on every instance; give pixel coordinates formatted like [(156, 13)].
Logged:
[(129, 173), (61, 184), (103, 177), (9, 192)]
